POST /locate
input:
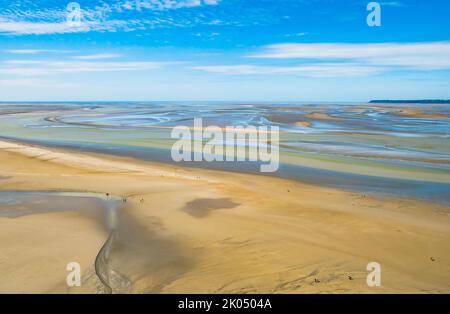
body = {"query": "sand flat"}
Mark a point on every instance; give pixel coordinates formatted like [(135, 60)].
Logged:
[(36, 250), (272, 235)]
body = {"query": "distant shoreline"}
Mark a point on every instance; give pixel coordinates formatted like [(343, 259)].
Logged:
[(420, 101)]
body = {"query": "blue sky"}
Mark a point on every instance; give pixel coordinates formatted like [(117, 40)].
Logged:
[(237, 50)]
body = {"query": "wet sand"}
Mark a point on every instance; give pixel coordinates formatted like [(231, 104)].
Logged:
[(363, 146), (413, 110), (192, 230), (36, 247)]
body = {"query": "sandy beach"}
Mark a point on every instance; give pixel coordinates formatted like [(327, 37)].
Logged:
[(222, 154), (207, 231)]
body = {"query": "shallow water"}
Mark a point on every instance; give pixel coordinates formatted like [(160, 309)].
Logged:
[(414, 138), (16, 204)]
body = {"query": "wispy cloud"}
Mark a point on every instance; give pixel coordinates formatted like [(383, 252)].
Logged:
[(419, 56), (310, 70), (98, 56), (34, 51), (301, 34), (41, 67), (99, 16), (392, 4), (162, 4), (39, 83), (42, 28), (341, 60)]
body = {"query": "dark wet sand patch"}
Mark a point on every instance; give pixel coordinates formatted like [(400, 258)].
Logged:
[(19, 204), (202, 206), (284, 118), (147, 260)]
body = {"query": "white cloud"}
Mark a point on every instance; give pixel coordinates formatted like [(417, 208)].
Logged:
[(163, 4), (35, 28), (392, 4), (42, 28), (39, 67), (33, 51), (21, 62), (301, 34), (33, 83), (101, 18), (309, 70), (432, 55), (344, 60), (98, 56)]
